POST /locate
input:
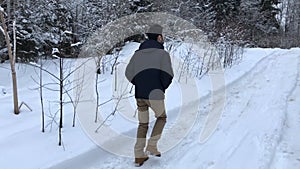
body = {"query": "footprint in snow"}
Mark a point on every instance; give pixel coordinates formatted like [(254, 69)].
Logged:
[(291, 99), (3, 91)]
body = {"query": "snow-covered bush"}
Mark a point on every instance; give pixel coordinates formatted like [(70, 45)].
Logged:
[(229, 53)]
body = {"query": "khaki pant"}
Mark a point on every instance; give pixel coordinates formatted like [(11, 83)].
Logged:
[(158, 106)]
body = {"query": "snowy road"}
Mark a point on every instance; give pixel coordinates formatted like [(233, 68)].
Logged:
[(288, 150), (258, 128)]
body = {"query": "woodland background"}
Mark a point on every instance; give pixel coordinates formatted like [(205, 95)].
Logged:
[(66, 24)]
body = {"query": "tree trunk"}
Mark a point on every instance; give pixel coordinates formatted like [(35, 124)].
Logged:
[(8, 10), (41, 95), (61, 99), (12, 64), (97, 96)]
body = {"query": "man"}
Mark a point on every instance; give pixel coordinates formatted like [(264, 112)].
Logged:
[(151, 72)]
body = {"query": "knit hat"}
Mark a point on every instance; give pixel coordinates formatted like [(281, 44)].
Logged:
[(155, 29)]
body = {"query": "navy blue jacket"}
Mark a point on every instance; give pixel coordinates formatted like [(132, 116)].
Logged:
[(150, 70)]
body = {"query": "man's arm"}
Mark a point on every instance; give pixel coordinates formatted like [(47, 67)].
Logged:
[(167, 71)]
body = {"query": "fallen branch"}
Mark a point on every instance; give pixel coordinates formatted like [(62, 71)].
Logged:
[(23, 103)]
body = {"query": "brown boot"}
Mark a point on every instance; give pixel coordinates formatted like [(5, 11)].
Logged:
[(152, 150), (140, 161)]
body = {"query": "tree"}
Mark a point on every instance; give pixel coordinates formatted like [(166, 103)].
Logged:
[(290, 23), (12, 59), (260, 23), (139, 6), (26, 44), (222, 14)]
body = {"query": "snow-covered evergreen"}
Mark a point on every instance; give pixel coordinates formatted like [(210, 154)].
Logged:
[(41, 25)]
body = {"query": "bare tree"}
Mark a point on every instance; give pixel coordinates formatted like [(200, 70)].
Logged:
[(61, 86), (12, 59), (97, 97), (41, 95), (75, 98), (229, 52), (118, 99), (59, 81), (75, 102), (64, 88), (40, 88)]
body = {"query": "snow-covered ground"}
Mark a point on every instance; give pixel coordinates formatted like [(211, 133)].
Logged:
[(258, 128)]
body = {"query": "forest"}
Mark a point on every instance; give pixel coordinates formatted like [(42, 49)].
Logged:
[(66, 24)]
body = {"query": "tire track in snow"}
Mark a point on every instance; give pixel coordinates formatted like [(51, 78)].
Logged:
[(266, 141), (239, 109), (237, 121), (287, 153), (185, 147)]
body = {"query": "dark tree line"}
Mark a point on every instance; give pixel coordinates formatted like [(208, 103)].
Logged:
[(65, 24)]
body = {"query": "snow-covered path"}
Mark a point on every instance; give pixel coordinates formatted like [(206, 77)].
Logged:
[(257, 129), (288, 151), (252, 123)]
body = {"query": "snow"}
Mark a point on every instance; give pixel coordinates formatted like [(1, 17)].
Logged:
[(1, 9), (4, 50), (34, 64), (68, 32), (2, 30), (76, 44), (55, 50), (25, 21), (257, 128)]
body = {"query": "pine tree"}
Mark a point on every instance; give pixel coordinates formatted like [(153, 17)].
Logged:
[(53, 25), (26, 44), (139, 6), (259, 18), (218, 16), (269, 10)]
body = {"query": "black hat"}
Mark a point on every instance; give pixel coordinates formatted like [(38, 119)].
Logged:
[(155, 29)]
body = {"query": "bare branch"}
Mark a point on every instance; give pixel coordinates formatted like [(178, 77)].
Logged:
[(105, 102), (45, 70), (77, 68), (110, 115)]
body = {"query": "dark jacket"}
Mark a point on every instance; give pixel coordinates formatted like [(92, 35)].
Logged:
[(150, 70)]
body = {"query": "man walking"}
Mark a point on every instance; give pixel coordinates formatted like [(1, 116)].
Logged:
[(151, 72)]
